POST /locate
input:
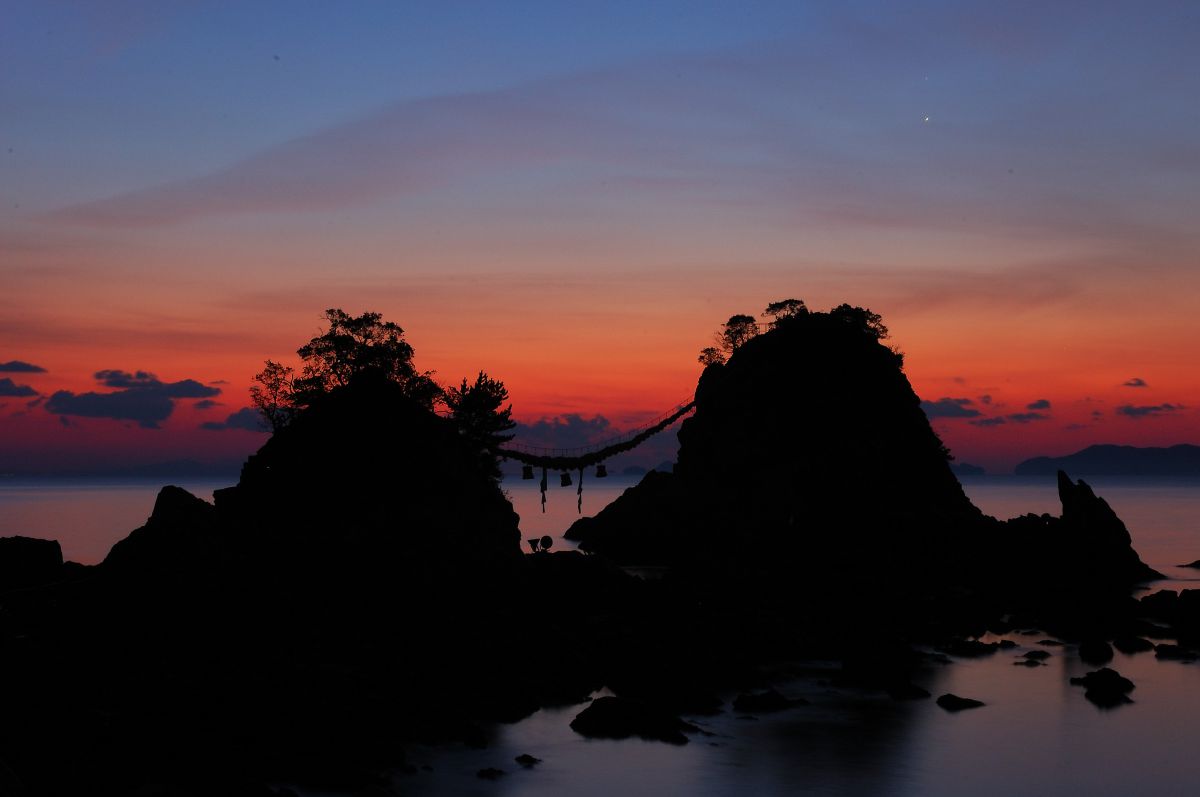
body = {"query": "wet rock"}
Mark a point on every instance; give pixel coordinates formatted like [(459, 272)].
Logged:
[(762, 702), (1037, 655), (1007, 644), (1132, 644), (527, 761), (952, 702), (1173, 653), (1105, 687), (620, 718), (490, 773), (1095, 651)]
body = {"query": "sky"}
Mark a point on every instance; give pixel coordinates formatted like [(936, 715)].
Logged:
[(573, 196)]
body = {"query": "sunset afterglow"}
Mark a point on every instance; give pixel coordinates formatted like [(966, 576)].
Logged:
[(574, 202)]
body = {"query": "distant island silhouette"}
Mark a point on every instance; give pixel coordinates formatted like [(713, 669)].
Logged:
[(365, 585), (1178, 461)]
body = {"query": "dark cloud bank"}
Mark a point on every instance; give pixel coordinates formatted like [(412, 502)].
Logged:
[(139, 397), (9, 388)]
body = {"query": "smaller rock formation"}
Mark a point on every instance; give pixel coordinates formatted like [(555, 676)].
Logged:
[(1105, 687), (952, 702), (621, 717)]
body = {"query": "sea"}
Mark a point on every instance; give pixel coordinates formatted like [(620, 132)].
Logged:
[(1035, 735)]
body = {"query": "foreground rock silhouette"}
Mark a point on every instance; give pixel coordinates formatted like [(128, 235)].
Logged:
[(363, 585)]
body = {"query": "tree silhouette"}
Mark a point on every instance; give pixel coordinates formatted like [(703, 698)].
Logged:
[(478, 410), (784, 309), (736, 331), (354, 346), (711, 356), (274, 395), (870, 323)]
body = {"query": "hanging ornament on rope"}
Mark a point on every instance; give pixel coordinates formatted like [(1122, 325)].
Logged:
[(543, 486), (579, 494)]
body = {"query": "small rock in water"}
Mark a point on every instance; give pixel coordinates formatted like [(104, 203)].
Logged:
[(952, 702), (1132, 644), (527, 761), (1105, 687), (1007, 644), (490, 773), (620, 717), (1095, 651), (1037, 655), (1195, 564), (1027, 663)]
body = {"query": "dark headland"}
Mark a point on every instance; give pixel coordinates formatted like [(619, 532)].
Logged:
[(363, 586), (1178, 461)]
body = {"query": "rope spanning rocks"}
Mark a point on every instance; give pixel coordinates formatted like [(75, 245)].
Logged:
[(569, 462)]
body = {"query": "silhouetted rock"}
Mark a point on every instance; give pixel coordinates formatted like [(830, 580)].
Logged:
[(1174, 652), (620, 718), (179, 536), (1195, 564), (527, 760), (26, 562), (1095, 651), (952, 702), (1105, 687), (778, 492), (1132, 644), (1102, 545), (1037, 655), (762, 702)]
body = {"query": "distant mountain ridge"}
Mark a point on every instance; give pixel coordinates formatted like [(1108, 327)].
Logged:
[(1114, 460)]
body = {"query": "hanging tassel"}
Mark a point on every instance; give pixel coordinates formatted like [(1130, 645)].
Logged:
[(579, 494), (543, 486)]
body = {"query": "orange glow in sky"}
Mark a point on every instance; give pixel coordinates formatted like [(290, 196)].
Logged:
[(575, 207)]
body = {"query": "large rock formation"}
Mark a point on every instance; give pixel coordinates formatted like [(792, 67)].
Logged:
[(809, 459)]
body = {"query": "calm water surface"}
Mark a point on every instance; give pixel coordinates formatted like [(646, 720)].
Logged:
[(1037, 735)]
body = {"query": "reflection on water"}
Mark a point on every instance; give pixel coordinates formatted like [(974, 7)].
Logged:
[(1036, 735)]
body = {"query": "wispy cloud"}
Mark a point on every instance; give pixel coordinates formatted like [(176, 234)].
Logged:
[(950, 408), (20, 367), (1148, 410)]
